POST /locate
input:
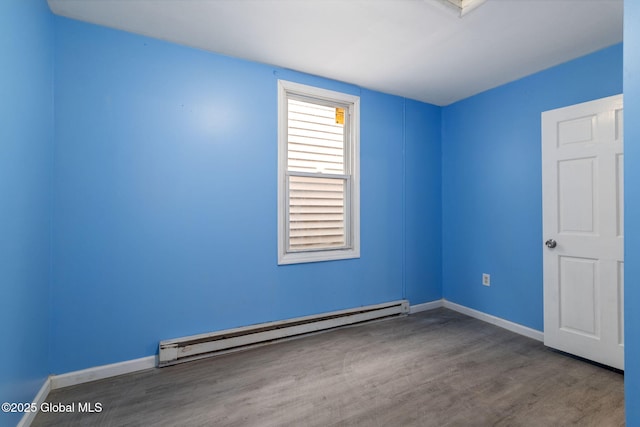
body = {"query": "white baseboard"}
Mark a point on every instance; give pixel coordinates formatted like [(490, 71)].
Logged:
[(28, 417), (506, 324), (86, 375), (101, 372), (431, 305)]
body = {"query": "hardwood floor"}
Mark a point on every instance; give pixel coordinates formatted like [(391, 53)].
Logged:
[(436, 368)]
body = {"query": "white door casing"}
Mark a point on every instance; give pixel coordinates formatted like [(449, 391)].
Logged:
[(582, 201)]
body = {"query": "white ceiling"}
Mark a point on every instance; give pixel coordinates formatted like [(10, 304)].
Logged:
[(419, 49)]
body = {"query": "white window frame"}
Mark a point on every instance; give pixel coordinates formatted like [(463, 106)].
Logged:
[(352, 155)]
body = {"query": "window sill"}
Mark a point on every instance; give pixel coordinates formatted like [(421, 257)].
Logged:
[(317, 256)]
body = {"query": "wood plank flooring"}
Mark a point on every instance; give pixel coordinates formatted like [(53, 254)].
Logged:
[(436, 368)]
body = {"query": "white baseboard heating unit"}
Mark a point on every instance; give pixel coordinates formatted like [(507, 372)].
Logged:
[(198, 346)]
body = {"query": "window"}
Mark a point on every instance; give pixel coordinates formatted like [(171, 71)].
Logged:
[(318, 174)]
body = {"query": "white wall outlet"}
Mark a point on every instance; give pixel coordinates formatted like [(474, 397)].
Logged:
[(486, 279)]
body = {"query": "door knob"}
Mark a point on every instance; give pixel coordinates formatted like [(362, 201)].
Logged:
[(551, 243)]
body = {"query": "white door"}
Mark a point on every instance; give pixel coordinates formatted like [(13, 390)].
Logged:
[(582, 202)]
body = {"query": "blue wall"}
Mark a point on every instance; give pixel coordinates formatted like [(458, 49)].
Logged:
[(492, 193), (632, 210), (165, 215), (26, 155), (423, 195)]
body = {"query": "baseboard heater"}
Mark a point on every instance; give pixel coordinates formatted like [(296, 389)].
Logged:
[(205, 345)]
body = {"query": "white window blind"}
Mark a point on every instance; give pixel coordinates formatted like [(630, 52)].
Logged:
[(316, 213), (318, 160)]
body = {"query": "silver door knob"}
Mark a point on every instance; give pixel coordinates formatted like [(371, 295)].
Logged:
[(551, 243)]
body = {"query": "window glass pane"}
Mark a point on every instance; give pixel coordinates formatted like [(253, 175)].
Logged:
[(315, 138), (316, 213)]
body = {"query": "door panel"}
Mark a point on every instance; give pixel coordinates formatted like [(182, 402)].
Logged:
[(579, 295), (620, 303), (620, 195), (577, 182), (574, 131)]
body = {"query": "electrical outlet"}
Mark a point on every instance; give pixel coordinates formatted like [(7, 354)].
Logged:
[(486, 279)]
